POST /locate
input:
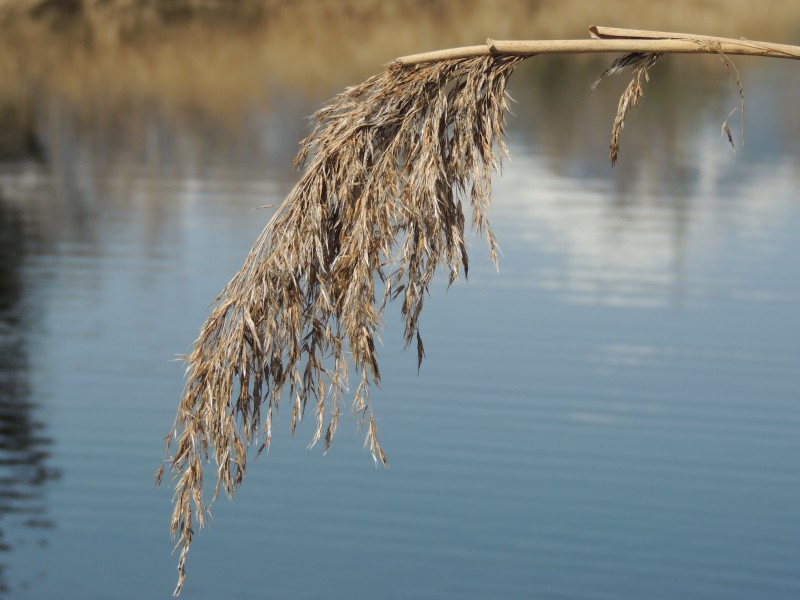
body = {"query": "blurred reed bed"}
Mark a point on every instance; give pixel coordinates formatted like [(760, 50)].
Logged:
[(109, 58)]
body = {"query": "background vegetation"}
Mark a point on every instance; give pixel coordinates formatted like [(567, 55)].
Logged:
[(108, 57)]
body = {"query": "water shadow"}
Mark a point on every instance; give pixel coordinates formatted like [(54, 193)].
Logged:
[(25, 446)]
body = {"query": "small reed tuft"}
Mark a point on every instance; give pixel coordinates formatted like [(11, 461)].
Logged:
[(639, 63)]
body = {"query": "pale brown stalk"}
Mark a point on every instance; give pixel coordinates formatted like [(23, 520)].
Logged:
[(606, 39)]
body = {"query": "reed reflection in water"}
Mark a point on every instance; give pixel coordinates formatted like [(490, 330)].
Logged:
[(25, 465), (613, 415)]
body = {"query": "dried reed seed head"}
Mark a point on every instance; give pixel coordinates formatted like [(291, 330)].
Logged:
[(389, 166), (639, 63)]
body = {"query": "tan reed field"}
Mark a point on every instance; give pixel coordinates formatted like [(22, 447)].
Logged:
[(213, 55)]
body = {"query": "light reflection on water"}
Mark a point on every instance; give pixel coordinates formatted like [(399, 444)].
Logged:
[(613, 415)]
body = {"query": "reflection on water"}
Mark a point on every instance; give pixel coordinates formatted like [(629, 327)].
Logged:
[(25, 464), (613, 415), (646, 235)]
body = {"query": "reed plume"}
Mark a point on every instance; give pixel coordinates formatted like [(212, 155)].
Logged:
[(388, 170), (389, 167)]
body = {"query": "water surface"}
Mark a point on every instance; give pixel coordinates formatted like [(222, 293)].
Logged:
[(615, 414)]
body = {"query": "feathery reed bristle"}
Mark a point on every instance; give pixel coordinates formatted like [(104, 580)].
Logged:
[(735, 78), (388, 168), (639, 63)]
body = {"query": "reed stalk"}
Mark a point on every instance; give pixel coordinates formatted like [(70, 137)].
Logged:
[(379, 208), (609, 40)]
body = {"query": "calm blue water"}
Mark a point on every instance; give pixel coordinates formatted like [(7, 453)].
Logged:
[(615, 414)]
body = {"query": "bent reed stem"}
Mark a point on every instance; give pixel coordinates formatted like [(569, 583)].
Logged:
[(609, 39)]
